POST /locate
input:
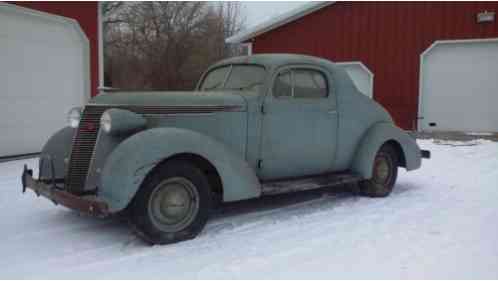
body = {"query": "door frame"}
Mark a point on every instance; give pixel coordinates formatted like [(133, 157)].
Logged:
[(268, 96), (423, 56)]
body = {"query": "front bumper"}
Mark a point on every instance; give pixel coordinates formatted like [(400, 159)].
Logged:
[(84, 204)]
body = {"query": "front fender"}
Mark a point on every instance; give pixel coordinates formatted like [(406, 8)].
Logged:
[(55, 150), (131, 161), (374, 138)]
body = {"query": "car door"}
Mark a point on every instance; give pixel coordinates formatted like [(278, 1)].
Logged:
[(299, 125)]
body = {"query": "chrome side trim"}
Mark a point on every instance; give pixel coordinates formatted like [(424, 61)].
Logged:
[(172, 107), (159, 115)]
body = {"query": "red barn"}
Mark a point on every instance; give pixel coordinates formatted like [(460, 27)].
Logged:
[(49, 63), (432, 65)]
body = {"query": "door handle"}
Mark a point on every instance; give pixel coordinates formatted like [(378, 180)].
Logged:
[(332, 112)]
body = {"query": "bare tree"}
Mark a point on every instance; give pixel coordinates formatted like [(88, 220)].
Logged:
[(166, 45)]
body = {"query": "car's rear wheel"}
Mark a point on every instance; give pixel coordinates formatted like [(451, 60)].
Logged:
[(173, 203), (384, 174)]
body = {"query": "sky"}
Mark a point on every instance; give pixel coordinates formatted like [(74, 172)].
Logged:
[(258, 12)]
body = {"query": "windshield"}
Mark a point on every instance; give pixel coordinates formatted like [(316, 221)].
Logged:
[(234, 77)]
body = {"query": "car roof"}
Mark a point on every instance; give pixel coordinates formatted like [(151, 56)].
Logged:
[(273, 61)]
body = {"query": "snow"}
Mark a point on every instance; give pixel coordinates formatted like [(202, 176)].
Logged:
[(439, 222), (479, 134)]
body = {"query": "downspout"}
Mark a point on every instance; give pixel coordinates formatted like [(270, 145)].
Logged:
[(100, 44)]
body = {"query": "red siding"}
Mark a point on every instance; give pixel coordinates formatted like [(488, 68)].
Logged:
[(388, 37), (86, 13)]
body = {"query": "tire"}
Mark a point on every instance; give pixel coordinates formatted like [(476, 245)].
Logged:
[(384, 174), (173, 204)]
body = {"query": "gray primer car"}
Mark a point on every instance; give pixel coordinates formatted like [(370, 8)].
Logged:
[(256, 125)]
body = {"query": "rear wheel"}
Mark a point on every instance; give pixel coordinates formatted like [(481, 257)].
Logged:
[(173, 203), (384, 174)]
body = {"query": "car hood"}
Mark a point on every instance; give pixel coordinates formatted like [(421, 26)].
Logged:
[(166, 98)]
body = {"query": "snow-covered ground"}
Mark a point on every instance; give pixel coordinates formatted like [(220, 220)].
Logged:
[(440, 222)]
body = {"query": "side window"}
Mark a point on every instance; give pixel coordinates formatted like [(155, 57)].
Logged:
[(283, 85), (309, 83)]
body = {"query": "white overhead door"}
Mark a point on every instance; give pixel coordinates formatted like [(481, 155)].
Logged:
[(361, 76), (43, 73), (459, 86)]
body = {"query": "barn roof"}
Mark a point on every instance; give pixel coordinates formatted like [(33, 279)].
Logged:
[(278, 21)]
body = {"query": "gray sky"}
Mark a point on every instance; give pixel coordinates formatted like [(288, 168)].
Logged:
[(257, 12)]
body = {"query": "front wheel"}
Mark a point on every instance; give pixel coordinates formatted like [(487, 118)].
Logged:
[(173, 203), (384, 174)]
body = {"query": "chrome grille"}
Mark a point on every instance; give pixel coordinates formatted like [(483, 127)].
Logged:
[(82, 149)]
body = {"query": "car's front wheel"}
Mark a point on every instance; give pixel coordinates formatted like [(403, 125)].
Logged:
[(384, 174), (173, 203)]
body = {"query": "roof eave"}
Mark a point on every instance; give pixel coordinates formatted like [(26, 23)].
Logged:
[(278, 21)]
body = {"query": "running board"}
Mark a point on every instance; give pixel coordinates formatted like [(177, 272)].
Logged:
[(307, 183)]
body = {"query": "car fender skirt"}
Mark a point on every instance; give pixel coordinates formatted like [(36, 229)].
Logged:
[(131, 161), (374, 138)]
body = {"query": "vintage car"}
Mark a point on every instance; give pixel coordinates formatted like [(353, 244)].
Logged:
[(255, 125)]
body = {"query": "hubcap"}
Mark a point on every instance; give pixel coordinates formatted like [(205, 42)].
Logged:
[(173, 205), (382, 170)]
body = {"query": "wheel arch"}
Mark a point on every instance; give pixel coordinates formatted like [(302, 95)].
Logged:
[(132, 160), (203, 164), (399, 150), (378, 135)]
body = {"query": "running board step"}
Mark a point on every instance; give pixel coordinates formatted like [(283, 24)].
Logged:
[(307, 183)]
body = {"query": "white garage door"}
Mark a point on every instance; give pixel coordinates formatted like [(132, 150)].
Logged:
[(43, 73), (361, 76), (459, 87)]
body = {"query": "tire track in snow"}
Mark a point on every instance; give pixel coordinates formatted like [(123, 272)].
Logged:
[(208, 242), (221, 225)]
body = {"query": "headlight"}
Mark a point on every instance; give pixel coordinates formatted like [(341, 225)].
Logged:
[(74, 117), (105, 122), (120, 122)]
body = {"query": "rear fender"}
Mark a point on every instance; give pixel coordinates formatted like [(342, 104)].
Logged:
[(374, 138), (131, 161)]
